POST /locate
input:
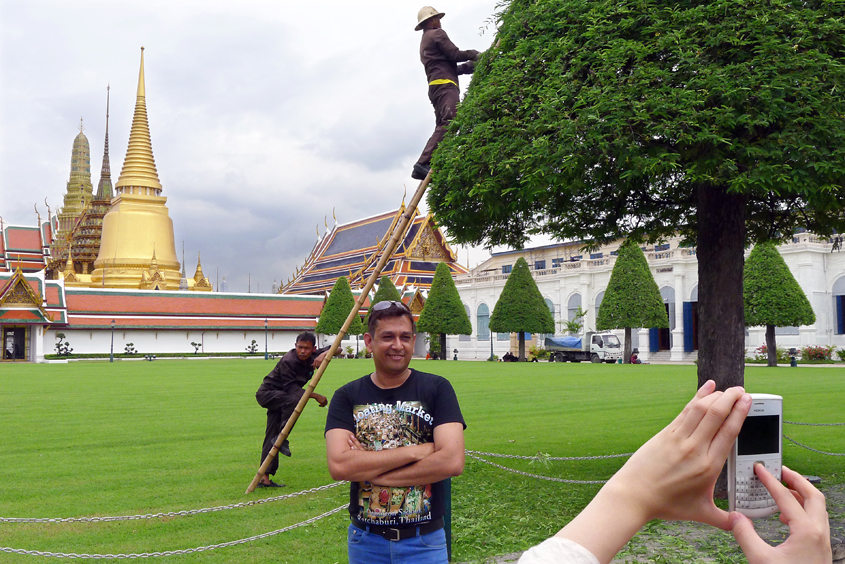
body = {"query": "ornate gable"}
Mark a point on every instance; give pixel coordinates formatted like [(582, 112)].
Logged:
[(18, 294), (417, 302), (429, 245)]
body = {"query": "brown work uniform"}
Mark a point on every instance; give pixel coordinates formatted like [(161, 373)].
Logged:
[(279, 393), (440, 57)]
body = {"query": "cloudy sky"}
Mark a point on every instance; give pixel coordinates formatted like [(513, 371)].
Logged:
[(264, 115)]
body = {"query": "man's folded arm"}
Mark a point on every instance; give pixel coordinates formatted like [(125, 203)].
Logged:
[(446, 461), (356, 465)]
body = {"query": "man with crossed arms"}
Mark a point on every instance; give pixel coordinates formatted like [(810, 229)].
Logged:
[(396, 435)]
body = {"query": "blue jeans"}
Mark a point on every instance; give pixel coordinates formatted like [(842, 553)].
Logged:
[(367, 548)]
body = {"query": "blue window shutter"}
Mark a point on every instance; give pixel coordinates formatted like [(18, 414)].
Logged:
[(687, 326), (654, 339), (840, 315)]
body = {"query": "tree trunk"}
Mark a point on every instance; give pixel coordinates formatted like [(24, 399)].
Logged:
[(721, 322), (521, 345), (626, 352), (771, 345), (443, 351)]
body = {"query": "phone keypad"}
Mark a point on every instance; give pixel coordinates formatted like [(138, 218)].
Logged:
[(752, 494)]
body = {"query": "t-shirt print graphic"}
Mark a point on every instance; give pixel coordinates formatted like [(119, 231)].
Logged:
[(386, 426)]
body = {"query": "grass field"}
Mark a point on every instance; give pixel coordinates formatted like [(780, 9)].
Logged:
[(87, 439)]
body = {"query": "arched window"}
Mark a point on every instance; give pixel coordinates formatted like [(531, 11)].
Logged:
[(572, 306), (482, 329), (542, 337), (469, 316), (599, 299), (839, 305)]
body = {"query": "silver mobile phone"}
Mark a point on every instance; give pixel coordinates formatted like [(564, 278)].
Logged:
[(758, 441)]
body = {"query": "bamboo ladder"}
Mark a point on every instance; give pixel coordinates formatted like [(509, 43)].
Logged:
[(398, 231)]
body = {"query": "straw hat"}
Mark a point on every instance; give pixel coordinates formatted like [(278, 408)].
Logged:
[(425, 14)]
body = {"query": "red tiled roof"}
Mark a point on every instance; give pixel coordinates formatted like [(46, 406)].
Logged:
[(167, 310), (167, 303), (24, 239), (173, 322), (20, 315)]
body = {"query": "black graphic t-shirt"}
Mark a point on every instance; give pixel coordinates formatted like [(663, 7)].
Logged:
[(383, 419)]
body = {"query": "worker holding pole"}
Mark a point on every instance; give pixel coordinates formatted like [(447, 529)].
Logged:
[(280, 392), (440, 57)]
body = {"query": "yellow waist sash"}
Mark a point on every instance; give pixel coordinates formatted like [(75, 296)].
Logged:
[(442, 81)]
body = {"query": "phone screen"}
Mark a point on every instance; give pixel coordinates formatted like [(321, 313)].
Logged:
[(759, 435)]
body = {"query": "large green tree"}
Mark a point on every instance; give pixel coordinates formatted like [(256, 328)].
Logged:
[(723, 121), (443, 312), (521, 307), (772, 295), (336, 309), (386, 292), (632, 298)]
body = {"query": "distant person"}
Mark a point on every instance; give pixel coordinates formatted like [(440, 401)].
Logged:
[(440, 58), (396, 435), (281, 390), (635, 359), (672, 477)]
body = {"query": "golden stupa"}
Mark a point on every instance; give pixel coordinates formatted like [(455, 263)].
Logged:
[(137, 249)]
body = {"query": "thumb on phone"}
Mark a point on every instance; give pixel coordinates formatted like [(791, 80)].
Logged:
[(749, 541)]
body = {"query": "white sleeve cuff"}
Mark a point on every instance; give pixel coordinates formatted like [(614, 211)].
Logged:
[(558, 550)]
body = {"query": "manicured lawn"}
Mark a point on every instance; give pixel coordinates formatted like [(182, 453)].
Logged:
[(95, 438)]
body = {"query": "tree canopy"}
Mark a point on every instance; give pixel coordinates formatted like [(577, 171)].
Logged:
[(443, 312), (600, 119), (771, 293), (336, 309), (386, 292), (521, 307), (772, 296), (723, 121), (632, 298)]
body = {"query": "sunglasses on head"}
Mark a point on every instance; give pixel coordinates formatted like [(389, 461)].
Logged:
[(388, 304)]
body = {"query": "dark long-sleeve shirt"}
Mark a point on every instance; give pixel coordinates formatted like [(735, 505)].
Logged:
[(440, 57), (290, 374)]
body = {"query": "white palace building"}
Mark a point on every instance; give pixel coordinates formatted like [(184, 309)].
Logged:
[(569, 278)]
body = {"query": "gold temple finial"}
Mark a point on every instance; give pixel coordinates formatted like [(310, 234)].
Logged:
[(139, 168), (317, 227), (37, 214), (405, 193), (141, 87), (49, 213), (326, 222), (334, 216), (81, 127)]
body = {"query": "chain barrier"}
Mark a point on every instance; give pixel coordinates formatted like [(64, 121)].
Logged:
[(170, 552), (169, 514), (561, 480), (556, 458), (813, 449), (815, 424)]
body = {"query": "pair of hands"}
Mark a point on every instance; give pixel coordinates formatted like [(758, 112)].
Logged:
[(674, 474)]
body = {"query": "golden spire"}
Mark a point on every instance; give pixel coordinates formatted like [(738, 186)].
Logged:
[(198, 275), (139, 168)]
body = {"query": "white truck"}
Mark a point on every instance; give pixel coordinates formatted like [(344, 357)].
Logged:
[(595, 347)]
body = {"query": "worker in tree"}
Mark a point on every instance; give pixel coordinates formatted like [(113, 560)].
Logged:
[(440, 57)]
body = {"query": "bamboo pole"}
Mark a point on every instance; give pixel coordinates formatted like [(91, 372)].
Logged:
[(398, 231)]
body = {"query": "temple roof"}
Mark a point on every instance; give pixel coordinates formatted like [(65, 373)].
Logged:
[(29, 298), (353, 250), (23, 246), (150, 309)]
